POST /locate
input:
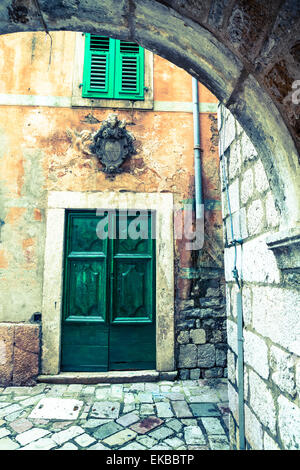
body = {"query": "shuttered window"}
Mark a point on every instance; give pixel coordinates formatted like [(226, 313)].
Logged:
[(112, 69)]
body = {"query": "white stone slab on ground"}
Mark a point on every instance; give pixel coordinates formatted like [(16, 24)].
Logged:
[(57, 408)]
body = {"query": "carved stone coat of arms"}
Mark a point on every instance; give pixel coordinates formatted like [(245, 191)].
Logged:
[(112, 144)]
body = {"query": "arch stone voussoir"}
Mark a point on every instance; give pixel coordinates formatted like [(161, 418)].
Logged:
[(260, 118)]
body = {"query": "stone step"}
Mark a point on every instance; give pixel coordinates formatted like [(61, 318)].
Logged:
[(107, 377)]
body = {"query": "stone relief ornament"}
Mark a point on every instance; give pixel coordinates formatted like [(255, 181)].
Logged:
[(80, 141), (113, 144)]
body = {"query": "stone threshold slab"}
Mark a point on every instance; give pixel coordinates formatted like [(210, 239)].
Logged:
[(107, 377)]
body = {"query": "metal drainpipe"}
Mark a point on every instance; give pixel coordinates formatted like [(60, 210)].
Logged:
[(197, 152), (239, 302), (240, 369)]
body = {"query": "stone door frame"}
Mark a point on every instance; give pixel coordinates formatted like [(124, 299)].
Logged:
[(58, 202)]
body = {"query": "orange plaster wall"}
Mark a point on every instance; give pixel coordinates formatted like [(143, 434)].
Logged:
[(171, 83), (3, 260), (164, 159), (33, 67), (14, 214), (30, 69), (45, 149)]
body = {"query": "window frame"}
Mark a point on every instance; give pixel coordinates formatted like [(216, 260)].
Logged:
[(92, 102)]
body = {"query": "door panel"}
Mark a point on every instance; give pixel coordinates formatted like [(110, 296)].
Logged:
[(137, 351), (134, 233), (85, 347), (109, 301), (83, 234), (133, 287), (87, 289)]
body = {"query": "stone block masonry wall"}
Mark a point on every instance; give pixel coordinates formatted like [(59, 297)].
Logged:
[(271, 305), (19, 353), (201, 328)]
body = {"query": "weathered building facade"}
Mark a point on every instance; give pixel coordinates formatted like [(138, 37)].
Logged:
[(50, 178), (247, 54)]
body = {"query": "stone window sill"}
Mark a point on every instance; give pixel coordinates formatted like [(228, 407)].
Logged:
[(286, 248)]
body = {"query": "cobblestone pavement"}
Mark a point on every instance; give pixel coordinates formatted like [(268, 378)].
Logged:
[(180, 415)]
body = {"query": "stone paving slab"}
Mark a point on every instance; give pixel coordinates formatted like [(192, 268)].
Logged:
[(4, 432), (45, 443), (128, 419), (63, 436), (120, 438), (182, 409), (21, 425), (204, 409), (161, 433), (164, 410), (8, 444), (134, 446), (165, 415), (57, 408), (147, 424), (105, 409), (31, 435), (84, 440), (218, 443), (212, 426), (194, 435), (107, 430)]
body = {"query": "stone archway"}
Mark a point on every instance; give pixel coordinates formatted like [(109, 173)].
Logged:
[(245, 53)]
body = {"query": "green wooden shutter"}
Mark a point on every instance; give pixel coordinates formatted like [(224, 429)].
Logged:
[(129, 79), (99, 67)]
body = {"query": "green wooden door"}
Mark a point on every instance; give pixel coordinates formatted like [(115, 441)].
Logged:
[(109, 293)]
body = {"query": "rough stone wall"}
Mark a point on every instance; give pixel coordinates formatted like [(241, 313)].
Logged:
[(271, 305), (19, 353), (201, 328)]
